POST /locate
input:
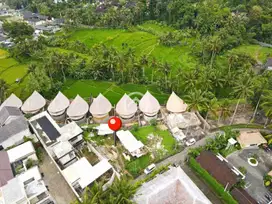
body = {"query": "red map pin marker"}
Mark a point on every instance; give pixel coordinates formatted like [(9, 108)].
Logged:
[(115, 123)]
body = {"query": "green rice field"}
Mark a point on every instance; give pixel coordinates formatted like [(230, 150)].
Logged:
[(10, 70), (256, 51), (86, 88), (143, 43)]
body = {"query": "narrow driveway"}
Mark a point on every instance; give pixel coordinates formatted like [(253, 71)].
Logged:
[(58, 188)]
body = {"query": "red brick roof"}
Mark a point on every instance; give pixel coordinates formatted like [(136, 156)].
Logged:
[(242, 196), (217, 168), (5, 169)]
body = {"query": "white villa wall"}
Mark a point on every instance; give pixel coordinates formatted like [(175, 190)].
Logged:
[(16, 139)]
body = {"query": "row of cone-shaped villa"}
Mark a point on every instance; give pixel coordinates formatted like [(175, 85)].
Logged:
[(100, 107)]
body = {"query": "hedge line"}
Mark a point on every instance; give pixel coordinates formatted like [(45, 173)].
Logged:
[(218, 188)]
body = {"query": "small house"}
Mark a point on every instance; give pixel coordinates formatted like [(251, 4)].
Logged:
[(126, 108), (100, 109), (175, 104), (34, 103), (78, 109), (150, 106)]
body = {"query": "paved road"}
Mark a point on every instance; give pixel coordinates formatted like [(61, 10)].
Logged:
[(180, 157), (254, 175)]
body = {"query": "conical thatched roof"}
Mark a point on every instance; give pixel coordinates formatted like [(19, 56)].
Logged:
[(149, 104), (79, 107), (12, 101), (34, 103), (100, 105), (126, 106), (175, 104), (59, 104)]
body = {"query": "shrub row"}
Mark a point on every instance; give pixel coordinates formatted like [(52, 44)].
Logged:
[(218, 188)]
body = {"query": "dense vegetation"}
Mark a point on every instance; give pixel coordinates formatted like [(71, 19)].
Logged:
[(199, 49), (121, 191)]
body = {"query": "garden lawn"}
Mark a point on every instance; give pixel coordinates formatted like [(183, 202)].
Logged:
[(86, 88), (168, 141), (137, 166)]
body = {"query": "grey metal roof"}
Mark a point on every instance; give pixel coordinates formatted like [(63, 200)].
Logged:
[(8, 111), (29, 16), (58, 21), (2, 38), (16, 126), (269, 62)]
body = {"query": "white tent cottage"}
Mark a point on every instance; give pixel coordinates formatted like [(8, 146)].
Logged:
[(34, 103), (58, 106), (12, 101), (78, 109), (100, 109), (150, 106), (126, 107), (175, 104)]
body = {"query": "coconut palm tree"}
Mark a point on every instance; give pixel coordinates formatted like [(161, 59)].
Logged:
[(196, 100), (243, 89), (232, 57), (122, 190), (31, 68), (224, 110), (211, 107), (189, 80), (3, 90), (93, 195), (267, 104), (261, 84)]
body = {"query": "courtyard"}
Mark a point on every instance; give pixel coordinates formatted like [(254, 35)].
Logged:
[(254, 176)]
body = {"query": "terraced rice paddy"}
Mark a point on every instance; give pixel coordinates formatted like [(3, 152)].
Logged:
[(87, 88)]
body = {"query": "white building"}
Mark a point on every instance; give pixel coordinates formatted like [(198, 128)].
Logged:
[(34, 103), (60, 143), (22, 153), (81, 173), (26, 188), (50, 132), (171, 187), (64, 153), (100, 109), (134, 147), (150, 106)]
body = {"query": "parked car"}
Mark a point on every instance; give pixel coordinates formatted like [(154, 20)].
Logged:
[(190, 142), (149, 169)]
